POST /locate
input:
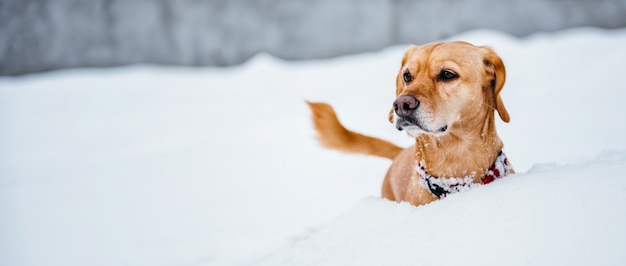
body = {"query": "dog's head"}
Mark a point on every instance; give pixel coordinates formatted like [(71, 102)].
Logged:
[(442, 84)]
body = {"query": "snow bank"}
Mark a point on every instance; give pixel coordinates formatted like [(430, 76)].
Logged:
[(568, 215), (153, 165)]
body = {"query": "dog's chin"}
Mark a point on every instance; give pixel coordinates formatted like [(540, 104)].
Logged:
[(415, 128)]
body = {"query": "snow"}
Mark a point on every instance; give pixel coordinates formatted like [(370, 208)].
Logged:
[(519, 220), (150, 165)]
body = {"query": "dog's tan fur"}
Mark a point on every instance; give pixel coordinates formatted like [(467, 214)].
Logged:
[(463, 108)]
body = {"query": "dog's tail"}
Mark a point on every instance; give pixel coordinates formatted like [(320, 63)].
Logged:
[(333, 135)]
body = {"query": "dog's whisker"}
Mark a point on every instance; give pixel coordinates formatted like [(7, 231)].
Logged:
[(488, 105)]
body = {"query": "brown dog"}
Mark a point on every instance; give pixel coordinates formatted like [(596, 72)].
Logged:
[(446, 97)]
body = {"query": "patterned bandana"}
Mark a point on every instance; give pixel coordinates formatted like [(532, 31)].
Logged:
[(441, 187)]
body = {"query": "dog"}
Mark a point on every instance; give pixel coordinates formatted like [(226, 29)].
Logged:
[(446, 98)]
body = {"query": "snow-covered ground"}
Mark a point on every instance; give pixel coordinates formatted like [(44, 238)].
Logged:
[(150, 165)]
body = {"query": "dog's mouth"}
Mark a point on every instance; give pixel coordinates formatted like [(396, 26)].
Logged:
[(411, 125)]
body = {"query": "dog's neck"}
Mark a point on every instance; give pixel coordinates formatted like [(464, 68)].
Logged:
[(461, 152)]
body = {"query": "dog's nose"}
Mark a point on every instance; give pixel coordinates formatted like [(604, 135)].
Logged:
[(405, 104)]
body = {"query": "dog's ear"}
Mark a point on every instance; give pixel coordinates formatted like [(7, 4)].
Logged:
[(495, 68), (399, 87), (399, 80), (408, 53)]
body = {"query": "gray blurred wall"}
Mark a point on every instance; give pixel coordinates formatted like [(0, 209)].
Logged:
[(42, 35)]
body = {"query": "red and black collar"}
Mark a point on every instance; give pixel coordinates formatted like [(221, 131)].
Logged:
[(441, 187)]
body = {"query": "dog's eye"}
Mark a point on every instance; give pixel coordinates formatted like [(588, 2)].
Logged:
[(446, 75), (407, 77)]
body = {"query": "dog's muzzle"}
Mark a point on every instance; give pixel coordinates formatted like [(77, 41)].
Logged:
[(405, 107)]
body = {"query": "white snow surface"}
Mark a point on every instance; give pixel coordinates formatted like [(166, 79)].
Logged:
[(148, 165)]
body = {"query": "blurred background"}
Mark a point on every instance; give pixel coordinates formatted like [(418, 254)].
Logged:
[(42, 35)]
